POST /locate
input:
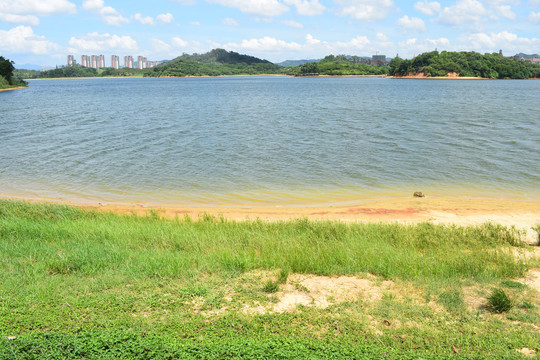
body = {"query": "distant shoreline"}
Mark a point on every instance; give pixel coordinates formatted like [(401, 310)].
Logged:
[(14, 88)]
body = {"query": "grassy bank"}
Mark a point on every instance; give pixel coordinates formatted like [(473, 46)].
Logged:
[(75, 283)]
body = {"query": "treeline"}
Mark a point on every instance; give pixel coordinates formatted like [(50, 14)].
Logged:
[(465, 64), (7, 77), (338, 65), (78, 71), (214, 63)]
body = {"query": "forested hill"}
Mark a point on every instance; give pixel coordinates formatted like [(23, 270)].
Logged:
[(214, 63), (465, 64)]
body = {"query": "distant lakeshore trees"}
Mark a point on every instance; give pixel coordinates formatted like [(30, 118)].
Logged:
[(7, 78), (464, 64), (220, 62)]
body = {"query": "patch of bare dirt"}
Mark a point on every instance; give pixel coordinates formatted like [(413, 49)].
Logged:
[(533, 279), (527, 352), (323, 291)]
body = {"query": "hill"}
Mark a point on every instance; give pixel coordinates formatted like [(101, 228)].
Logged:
[(287, 63), (214, 63)]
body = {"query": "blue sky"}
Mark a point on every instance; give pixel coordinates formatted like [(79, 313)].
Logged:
[(44, 32)]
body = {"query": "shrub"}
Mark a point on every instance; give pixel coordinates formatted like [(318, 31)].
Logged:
[(271, 286), (499, 302)]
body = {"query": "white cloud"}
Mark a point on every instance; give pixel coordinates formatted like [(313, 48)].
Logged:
[(195, 23), (22, 39), (230, 22), (255, 7), (102, 42), (185, 2), (292, 23), (108, 14), (365, 10), (165, 18), (503, 40), (534, 17), (266, 43), (505, 11), (307, 7), (148, 20), (19, 19), (37, 7), (462, 12), (414, 46), (413, 23), (429, 8), (160, 46), (145, 20), (178, 42)]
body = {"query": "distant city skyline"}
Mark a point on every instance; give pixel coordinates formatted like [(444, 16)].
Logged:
[(37, 32), (98, 61)]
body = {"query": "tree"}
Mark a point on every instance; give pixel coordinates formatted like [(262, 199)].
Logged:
[(6, 69)]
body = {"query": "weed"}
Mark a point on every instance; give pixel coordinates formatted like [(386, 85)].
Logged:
[(283, 275), (271, 286), (499, 302)]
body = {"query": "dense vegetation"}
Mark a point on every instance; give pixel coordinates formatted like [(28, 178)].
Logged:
[(81, 284), (339, 65), (78, 71), (468, 64), (7, 77), (214, 63)]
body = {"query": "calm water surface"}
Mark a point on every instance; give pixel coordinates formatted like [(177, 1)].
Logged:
[(269, 140)]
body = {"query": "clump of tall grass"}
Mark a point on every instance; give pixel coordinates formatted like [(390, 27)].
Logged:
[(499, 302)]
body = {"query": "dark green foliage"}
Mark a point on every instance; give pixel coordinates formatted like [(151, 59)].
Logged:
[(499, 302), (339, 65), (214, 63), (7, 77), (467, 64), (131, 345)]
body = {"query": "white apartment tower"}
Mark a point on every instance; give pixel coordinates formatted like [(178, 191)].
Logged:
[(141, 62), (128, 62), (85, 60), (71, 60), (101, 61), (115, 62)]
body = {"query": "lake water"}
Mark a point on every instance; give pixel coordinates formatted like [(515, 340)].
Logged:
[(269, 140)]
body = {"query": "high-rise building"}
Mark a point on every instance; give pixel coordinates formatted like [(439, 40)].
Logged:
[(141, 62), (128, 62), (115, 62), (71, 60), (85, 60), (101, 61), (93, 62)]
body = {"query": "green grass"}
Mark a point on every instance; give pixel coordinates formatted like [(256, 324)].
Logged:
[(77, 283)]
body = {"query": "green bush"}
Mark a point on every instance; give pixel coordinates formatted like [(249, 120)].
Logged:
[(499, 302)]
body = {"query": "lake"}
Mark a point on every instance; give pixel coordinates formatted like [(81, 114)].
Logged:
[(269, 140)]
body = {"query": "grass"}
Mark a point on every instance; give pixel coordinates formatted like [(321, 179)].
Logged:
[(76, 283), (499, 302)]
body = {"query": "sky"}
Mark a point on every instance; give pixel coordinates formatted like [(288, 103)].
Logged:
[(44, 32)]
